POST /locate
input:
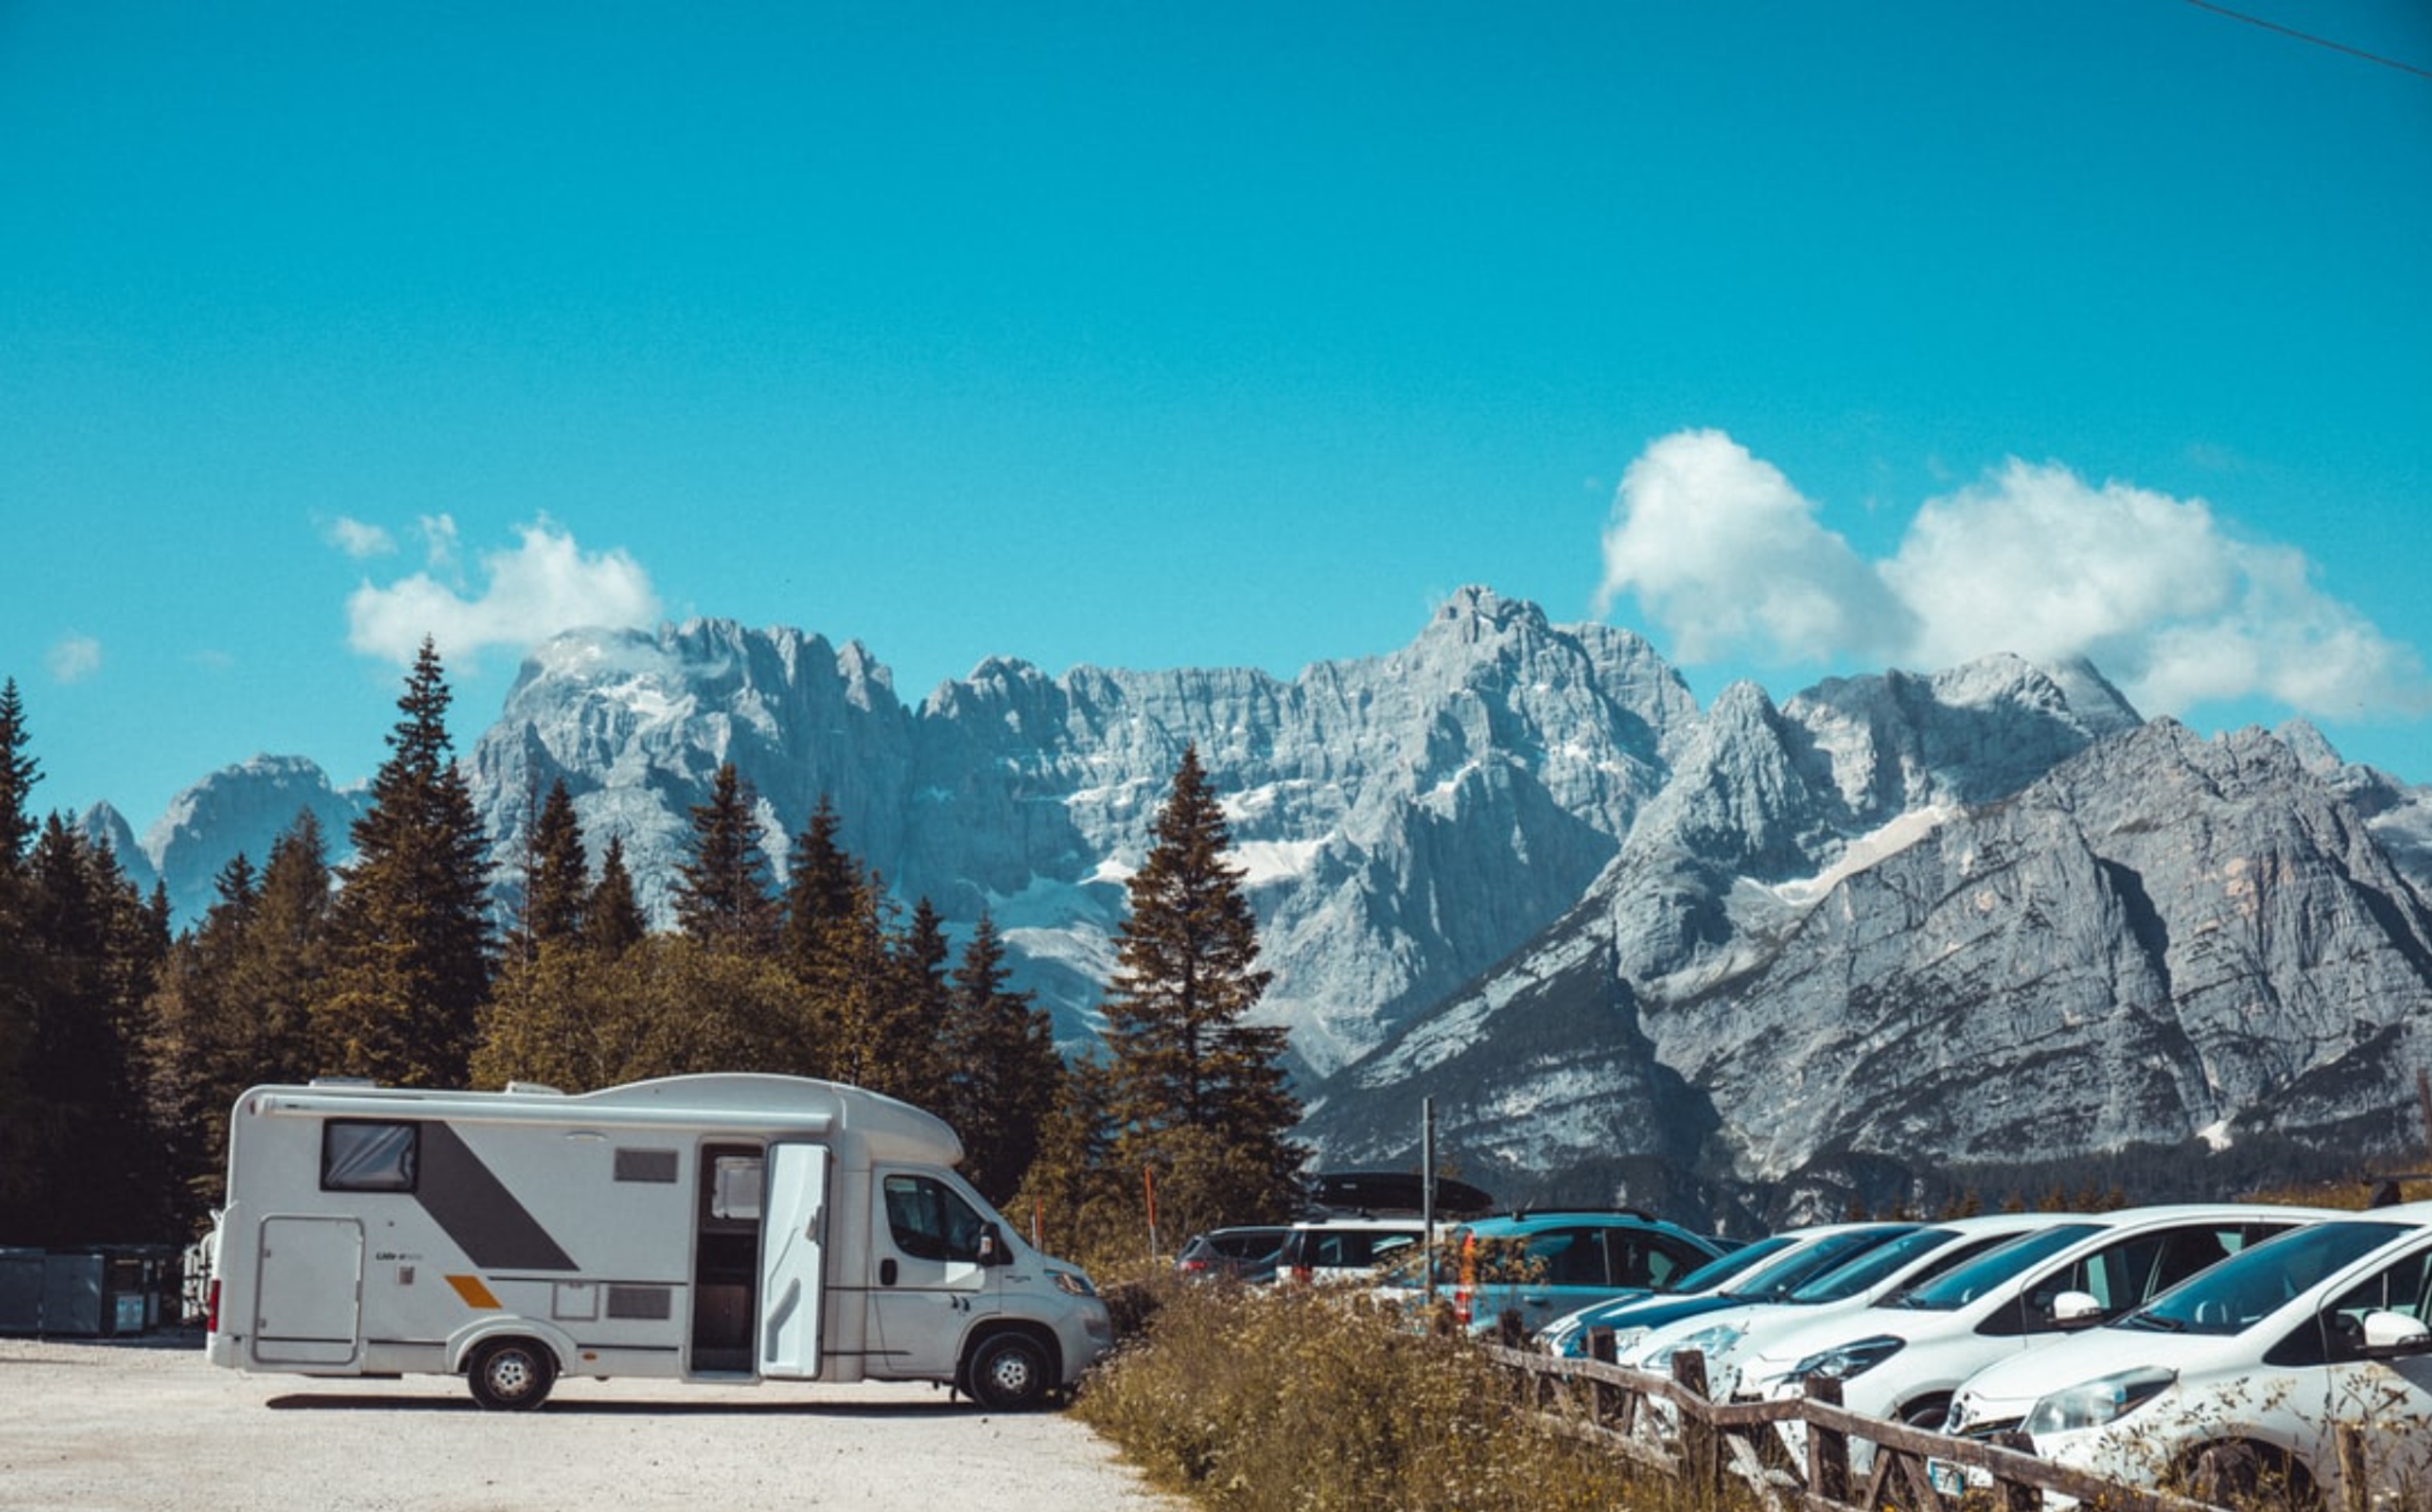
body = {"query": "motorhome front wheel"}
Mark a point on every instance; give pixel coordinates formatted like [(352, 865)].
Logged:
[(1009, 1373)]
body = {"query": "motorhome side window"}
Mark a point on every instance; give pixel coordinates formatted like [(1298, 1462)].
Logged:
[(359, 1156), (734, 1188), (929, 1222)]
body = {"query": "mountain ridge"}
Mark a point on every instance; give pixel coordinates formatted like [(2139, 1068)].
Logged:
[(1521, 852)]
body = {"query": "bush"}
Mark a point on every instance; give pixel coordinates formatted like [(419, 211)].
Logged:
[(1268, 1399)]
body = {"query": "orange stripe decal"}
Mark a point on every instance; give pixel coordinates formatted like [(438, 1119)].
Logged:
[(474, 1293)]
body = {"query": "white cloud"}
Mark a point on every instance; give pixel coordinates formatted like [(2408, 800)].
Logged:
[(545, 585), (440, 552), (73, 658), (1724, 555), (357, 539)]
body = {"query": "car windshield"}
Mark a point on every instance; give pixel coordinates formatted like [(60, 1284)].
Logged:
[(1802, 1265), (1714, 1272), (1955, 1290), (2242, 1290), (1861, 1272)]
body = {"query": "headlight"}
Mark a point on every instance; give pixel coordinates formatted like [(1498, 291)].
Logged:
[(1073, 1282), (1842, 1361), (1707, 1341), (2104, 1399)]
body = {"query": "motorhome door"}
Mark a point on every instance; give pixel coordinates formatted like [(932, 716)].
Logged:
[(793, 1239), (308, 1300)]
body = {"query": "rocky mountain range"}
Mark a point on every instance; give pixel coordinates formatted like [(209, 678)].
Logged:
[(1987, 914)]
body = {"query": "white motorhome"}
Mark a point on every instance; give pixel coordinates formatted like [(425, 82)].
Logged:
[(729, 1228)]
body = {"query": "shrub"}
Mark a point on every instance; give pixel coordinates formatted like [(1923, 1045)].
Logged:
[(1268, 1399)]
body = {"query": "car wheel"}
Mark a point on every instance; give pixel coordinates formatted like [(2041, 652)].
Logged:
[(512, 1374), (1008, 1372), (1926, 1412)]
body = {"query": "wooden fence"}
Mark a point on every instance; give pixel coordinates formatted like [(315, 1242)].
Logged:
[(1713, 1444)]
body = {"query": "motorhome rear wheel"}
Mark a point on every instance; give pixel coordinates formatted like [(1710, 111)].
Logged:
[(512, 1374)]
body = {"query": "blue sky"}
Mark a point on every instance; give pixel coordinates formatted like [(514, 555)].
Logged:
[(1805, 339)]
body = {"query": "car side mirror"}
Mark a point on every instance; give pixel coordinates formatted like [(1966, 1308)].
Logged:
[(993, 1251), (2390, 1335), (2076, 1309)]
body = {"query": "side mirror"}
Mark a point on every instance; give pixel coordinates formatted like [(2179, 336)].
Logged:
[(2388, 1334), (993, 1249), (2076, 1309)]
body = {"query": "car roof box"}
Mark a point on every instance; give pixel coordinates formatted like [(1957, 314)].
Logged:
[(1394, 1191)]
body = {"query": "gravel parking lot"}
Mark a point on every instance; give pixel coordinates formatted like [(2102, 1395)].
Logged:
[(145, 1427)]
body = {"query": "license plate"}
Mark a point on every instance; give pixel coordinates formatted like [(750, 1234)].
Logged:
[(1945, 1478)]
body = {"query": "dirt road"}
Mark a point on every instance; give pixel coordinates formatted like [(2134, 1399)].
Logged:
[(105, 1427)]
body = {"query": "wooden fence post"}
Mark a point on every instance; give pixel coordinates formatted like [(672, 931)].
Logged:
[(1828, 1449), (1700, 1448), (1604, 1397), (2016, 1495)]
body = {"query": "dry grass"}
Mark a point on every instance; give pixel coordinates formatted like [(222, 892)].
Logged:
[(1291, 1400)]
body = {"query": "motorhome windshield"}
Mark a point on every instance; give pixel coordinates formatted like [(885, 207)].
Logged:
[(1957, 1289), (2242, 1290)]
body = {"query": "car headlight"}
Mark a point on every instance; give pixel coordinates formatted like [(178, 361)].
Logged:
[(1073, 1282), (1843, 1361), (2104, 1399), (1707, 1341)]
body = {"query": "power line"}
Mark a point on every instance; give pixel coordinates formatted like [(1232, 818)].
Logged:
[(2308, 37)]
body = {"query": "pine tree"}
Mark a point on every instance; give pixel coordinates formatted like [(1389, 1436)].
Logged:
[(536, 1024), (17, 774), (233, 1005), (410, 933), (917, 1031), (823, 888), (612, 918), (721, 895), (1086, 1203), (1003, 1074), (1197, 1088), (557, 873), (282, 955), (21, 970), (94, 1172)]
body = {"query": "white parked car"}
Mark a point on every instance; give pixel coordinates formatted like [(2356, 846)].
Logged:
[(2232, 1382), (1344, 1250), (1747, 1330), (1904, 1357)]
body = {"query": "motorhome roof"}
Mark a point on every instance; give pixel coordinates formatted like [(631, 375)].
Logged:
[(756, 1101)]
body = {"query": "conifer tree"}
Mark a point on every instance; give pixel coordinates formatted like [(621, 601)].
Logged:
[(17, 774), (721, 895), (1085, 1201), (823, 886), (1197, 1088), (1003, 1075), (556, 873), (281, 957), (923, 1004), (409, 935), (96, 1173), (612, 917), (539, 1024)]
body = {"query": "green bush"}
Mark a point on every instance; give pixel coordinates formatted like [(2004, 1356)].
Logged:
[(1295, 1399)]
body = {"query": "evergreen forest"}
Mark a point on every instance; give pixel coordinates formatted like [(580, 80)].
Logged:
[(420, 961)]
